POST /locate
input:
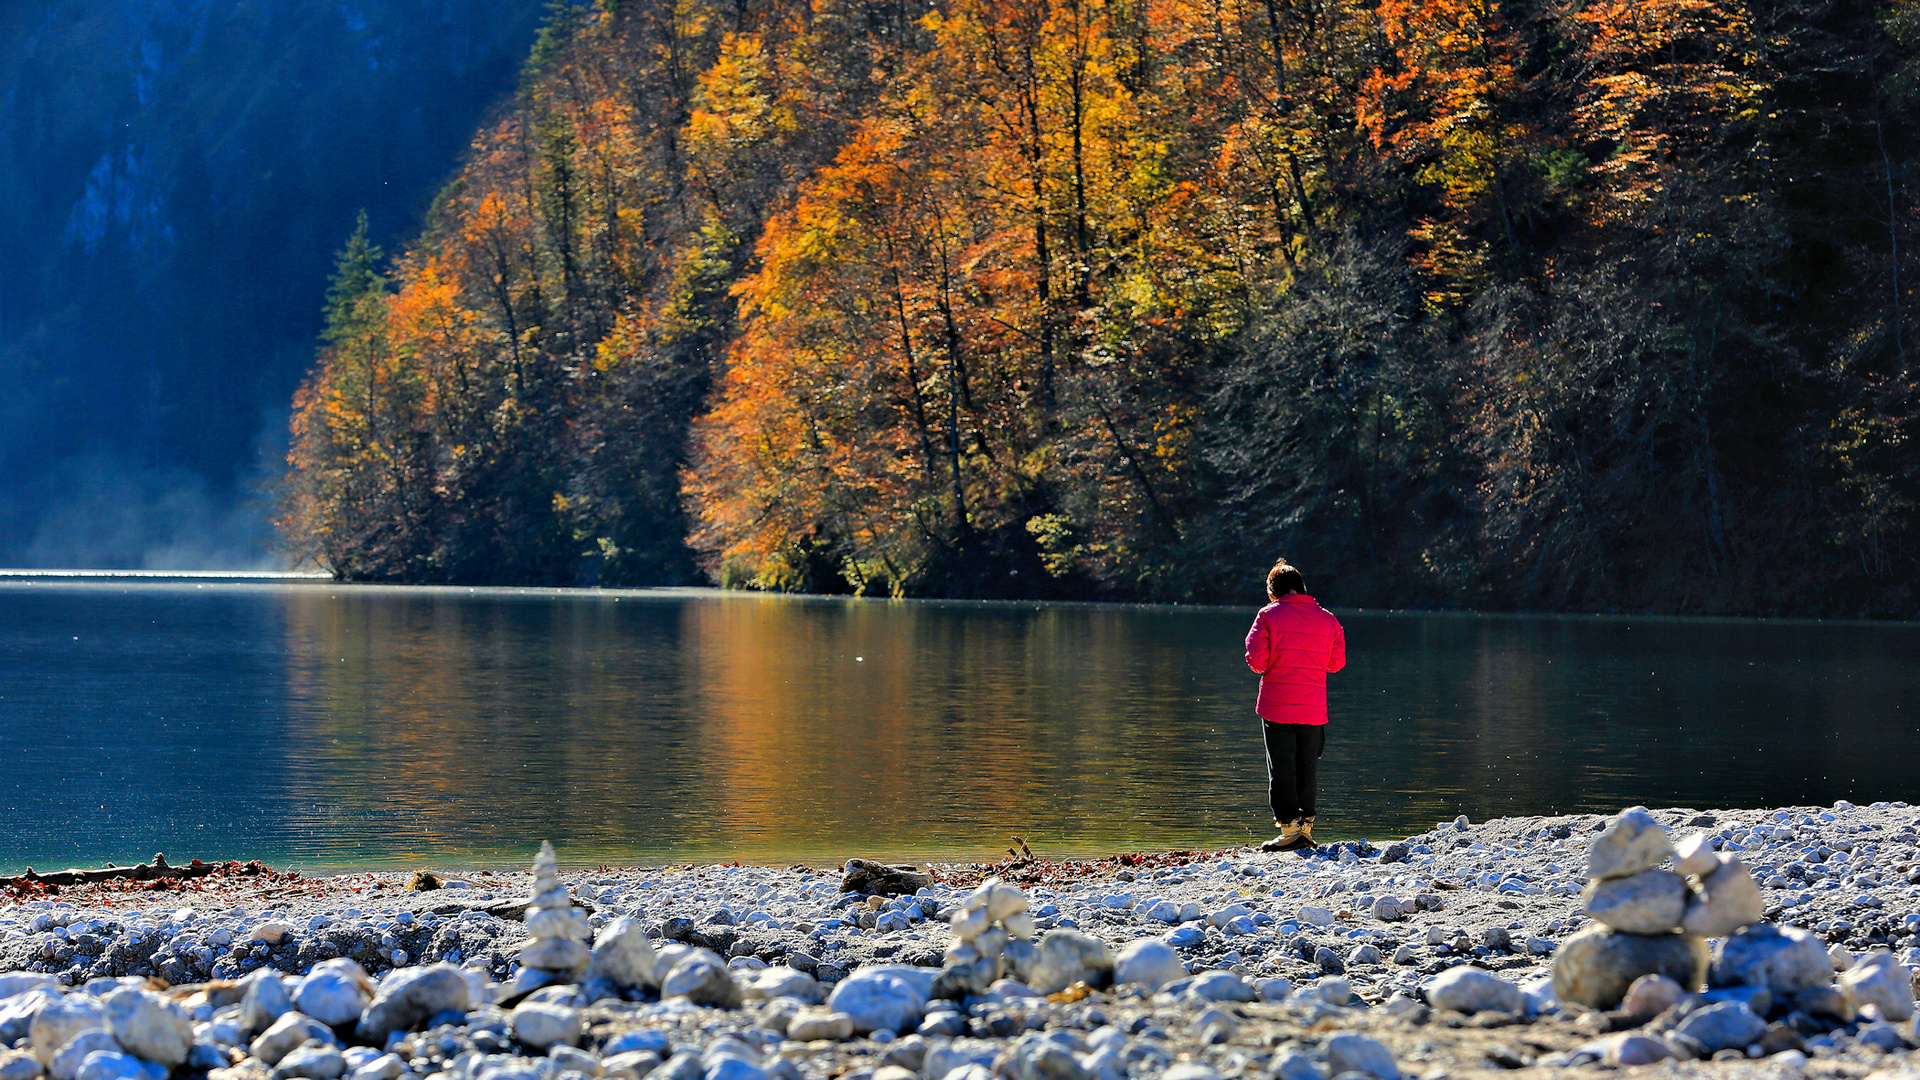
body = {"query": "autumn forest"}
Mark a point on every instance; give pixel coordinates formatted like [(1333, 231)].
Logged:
[(1543, 304)]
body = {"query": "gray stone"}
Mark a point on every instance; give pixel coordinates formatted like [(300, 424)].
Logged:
[(782, 981), (1220, 986), (1650, 902), (1883, 1036), (263, 999), (311, 1063), (1215, 1025), (944, 1058), (631, 1065), (540, 1025), (1729, 899), (1329, 961), (1037, 1057), (1191, 1070), (408, 997), (1347, 1052), (623, 955), (809, 1025), (60, 1020), (1470, 990), (1148, 962), (1363, 954), (878, 1000), (1390, 909), (18, 1011), (19, 1065), (1633, 843), (1497, 938), (1694, 856), (285, 1034), (1879, 980), (1293, 1065), (15, 983), (703, 979), (1651, 995), (1784, 960), (965, 978), (1595, 966), (1628, 1049), (1068, 957), (149, 1026), (335, 992), (1728, 1025), (114, 1065), (67, 1062), (384, 1067), (556, 954), (733, 1068)]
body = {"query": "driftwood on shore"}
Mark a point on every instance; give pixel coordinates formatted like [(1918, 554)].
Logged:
[(156, 870)]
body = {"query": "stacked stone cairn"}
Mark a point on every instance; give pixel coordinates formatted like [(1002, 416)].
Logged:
[(992, 939), (1646, 957), (556, 951)]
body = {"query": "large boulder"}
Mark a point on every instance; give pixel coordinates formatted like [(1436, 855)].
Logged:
[(1595, 966)]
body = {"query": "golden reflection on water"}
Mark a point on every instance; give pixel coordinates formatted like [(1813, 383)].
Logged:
[(667, 727)]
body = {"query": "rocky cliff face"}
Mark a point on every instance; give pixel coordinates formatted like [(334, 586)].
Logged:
[(174, 178)]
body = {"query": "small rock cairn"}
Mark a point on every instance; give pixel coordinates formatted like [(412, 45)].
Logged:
[(557, 951), (992, 939), (1648, 946)]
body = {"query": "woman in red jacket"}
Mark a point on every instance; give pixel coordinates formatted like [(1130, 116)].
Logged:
[(1293, 645)]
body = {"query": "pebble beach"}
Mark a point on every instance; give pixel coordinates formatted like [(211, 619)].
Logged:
[(1339, 962)]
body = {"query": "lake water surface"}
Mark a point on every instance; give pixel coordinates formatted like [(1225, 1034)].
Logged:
[(318, 725)]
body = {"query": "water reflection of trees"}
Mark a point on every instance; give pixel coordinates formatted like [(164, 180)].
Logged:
[(440, 722)]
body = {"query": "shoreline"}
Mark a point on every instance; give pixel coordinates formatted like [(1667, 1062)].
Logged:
[(310, 579), (1372, 925)]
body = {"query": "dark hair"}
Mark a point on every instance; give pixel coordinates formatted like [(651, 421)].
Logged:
[(1284, 579)]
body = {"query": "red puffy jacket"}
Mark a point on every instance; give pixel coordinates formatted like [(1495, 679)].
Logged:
[(1294, 643)]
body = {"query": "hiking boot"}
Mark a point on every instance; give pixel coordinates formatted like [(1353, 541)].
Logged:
[(1288, 839), (1306, 830)]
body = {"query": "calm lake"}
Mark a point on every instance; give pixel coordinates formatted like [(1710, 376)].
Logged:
[(316, 725)]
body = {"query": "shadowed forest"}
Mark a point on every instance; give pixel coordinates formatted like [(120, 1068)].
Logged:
[(1550, 304)]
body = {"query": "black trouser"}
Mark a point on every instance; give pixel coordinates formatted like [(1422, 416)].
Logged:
[(1293, 767)]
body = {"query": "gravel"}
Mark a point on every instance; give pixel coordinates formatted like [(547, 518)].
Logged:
[(1343, 940)]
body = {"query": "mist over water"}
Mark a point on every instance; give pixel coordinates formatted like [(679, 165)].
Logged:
[(103, 512), (321, 725)]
